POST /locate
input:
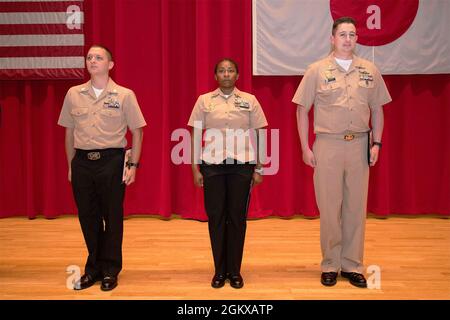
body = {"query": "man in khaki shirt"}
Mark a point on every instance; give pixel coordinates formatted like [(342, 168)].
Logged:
[(96, 115), (346, 92)]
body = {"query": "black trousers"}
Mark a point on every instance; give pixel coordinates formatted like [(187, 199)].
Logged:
[(227, 194), (99, 193)]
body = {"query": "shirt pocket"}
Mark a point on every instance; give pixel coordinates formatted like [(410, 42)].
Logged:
[(329, 88), (243, 110), (328, 93), (80, 116), (240, 117), (208, 110), (210, 107), (111, 119), (366, 84), (364, 89)]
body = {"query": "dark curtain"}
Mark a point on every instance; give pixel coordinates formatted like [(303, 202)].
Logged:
[(165, 50)]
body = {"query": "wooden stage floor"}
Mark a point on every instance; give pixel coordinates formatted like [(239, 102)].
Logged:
[(171, 260)]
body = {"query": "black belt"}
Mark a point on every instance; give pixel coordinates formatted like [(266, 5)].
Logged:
[(227, 161), (97, 154)]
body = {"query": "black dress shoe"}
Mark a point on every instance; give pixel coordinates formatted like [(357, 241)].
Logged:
[(218, 281), (85, 282), (356, 279), (109, 283), (236, 281), (328, 278)]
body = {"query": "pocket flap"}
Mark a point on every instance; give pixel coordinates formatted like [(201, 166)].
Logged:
[(111, 112), (366, 84), (79, 111)]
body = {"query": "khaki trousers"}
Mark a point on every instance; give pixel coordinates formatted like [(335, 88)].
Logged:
[(341, 179)]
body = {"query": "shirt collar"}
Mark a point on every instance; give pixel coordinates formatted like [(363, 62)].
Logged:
[(236, 92), (111, 88), (332, 64)]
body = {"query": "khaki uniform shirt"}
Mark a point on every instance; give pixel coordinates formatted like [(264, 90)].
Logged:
[(342, 99), (101, 122), (228, 123)]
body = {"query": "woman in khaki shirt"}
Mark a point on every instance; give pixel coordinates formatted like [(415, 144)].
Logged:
[(226, 119)]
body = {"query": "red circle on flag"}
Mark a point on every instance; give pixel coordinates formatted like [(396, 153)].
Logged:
[(377, 22)]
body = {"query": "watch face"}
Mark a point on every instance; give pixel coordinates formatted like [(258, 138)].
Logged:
[(132, 164)]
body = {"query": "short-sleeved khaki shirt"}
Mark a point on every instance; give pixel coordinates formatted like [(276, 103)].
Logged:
[(100, 123), (231, 118), (342, 99)]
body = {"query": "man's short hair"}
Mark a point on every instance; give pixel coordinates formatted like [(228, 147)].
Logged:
[(342, 20), (108, 52)]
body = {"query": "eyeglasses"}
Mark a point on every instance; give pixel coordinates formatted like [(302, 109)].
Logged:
[(344, 35)]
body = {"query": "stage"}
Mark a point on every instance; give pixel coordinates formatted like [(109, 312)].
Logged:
[(171, 260)]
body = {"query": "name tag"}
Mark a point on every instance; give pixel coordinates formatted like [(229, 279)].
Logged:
[(244, 106), (330, 80)]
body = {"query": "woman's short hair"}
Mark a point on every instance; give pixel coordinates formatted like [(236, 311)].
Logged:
[(229, 60)]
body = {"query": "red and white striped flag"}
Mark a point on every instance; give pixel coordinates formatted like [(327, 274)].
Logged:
[(41, 39)]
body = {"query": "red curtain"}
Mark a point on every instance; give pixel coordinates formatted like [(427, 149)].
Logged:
[(165, 50)]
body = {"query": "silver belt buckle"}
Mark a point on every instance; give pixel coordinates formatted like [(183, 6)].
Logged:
[(349, 137), (93, 155)]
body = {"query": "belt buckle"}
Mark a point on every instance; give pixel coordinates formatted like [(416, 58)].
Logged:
[(349, 137), (93, 155)]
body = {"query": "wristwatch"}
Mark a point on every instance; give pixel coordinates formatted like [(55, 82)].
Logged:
[(376, 143), (132, 164), (259, 170)]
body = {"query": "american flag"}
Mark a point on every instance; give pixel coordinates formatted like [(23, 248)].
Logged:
[(41, 39)]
